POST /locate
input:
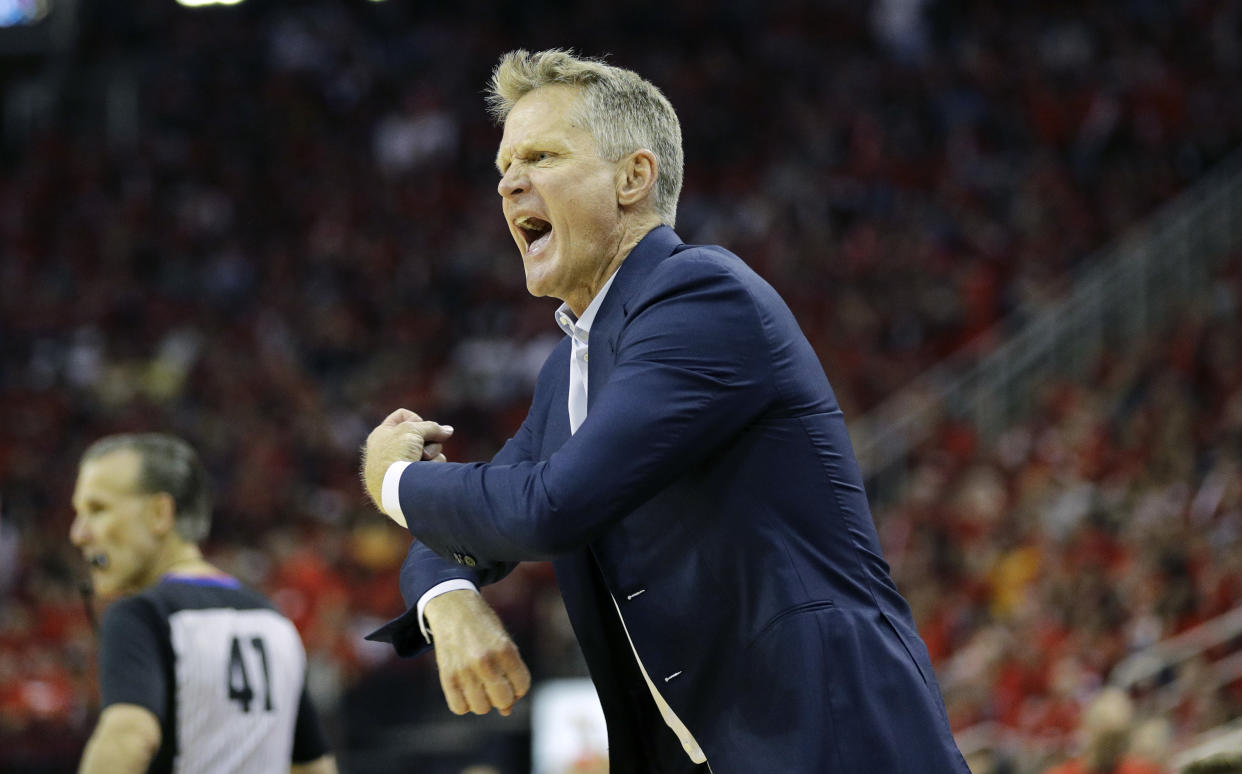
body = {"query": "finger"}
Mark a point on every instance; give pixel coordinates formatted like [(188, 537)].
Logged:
[(411, 436), (453, 696), (511, 664), (520, 682), (476, 697), (401, 415), (439, 458), (431, 450), (519, 678), (496, 683), (500, 692), (432, 431)]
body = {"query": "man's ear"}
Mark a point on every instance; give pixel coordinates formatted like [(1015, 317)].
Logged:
[(163, 513), (636, 176)]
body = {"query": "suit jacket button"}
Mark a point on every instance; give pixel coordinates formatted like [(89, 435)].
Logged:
[(468, 560)]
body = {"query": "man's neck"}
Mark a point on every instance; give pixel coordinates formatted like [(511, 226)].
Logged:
[(182, 558), (630, 238)]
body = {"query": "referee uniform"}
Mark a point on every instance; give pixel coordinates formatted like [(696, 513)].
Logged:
[(220, 668)]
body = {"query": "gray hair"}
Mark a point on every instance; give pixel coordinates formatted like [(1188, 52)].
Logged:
[(619, 108), (167, 464)]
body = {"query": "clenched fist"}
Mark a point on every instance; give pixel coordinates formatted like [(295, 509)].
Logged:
[(403, 436), (480, 667)]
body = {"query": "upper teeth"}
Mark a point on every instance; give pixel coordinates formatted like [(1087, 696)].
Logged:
[(526, 222)]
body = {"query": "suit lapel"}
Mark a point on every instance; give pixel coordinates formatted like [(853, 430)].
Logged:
[(659, 244)]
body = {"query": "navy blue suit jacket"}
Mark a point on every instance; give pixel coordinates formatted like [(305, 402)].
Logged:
[(713, 493)]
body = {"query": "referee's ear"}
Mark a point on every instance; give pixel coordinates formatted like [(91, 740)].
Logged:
[(162, 513)]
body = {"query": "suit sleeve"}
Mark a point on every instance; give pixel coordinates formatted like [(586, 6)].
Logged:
[(690, 371), (423, 569)]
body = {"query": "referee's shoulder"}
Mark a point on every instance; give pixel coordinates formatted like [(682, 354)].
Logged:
[(122, 613)]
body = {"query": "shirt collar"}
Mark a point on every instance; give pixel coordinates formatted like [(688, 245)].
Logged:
[(579, 328)]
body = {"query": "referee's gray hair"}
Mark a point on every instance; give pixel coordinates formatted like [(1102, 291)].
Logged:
[(168, 464), (622, 110)]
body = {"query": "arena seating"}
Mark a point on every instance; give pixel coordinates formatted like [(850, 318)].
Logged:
[(263, 227)]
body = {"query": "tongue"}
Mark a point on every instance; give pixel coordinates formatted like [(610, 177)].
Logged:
[(540, 242)]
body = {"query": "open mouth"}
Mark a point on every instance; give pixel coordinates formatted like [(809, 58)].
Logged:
[(536, 232)]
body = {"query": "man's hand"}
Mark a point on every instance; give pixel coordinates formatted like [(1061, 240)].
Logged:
[(124, 741), (403, 436), (480, 667)]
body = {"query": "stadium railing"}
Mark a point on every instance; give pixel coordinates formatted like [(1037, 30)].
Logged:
[(1223, 740), (1152, 676), (1157, 670), (1161, 267)]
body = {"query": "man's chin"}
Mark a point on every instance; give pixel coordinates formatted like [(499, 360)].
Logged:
[(536, 286), (106, 585), (540, 274)]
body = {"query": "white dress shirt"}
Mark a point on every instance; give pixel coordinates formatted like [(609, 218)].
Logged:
[(578, 330)]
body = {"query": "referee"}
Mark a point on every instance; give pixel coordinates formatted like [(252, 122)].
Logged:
[(197, 673)]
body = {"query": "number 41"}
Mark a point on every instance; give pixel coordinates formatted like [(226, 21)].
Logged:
[(239, 680)]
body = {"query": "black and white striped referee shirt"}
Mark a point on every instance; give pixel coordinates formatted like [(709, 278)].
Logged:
[(222, 670)]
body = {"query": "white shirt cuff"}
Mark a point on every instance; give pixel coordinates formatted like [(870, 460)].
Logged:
[(435, 591), (390, 494)]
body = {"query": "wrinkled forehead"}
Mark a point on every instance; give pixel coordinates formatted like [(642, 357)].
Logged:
[(110, 475), (547, 115)]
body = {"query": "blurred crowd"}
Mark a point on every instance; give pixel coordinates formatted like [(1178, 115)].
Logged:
[(263, 227), (1107, 521)]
